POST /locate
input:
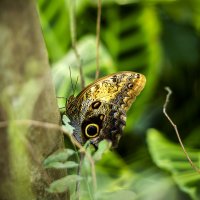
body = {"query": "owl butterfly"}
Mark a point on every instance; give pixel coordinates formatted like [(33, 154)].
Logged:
[(99, 111)]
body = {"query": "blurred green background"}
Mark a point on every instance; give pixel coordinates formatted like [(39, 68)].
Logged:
[(159, 38)]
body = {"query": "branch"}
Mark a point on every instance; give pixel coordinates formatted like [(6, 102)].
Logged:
[(169, 92)]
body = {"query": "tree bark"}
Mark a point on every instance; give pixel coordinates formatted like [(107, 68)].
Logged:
[(26, 92)]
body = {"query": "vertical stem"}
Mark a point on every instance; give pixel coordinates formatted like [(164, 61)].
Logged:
[(72, 12), (98, 28)]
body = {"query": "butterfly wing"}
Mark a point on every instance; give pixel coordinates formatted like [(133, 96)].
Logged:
[(99, 111)]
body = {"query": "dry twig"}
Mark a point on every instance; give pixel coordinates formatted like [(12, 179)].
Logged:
[(169, 92)]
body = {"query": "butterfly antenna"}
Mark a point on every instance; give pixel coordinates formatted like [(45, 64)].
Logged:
[(76, 84), (70, 74)]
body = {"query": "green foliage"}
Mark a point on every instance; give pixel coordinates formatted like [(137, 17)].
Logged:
[(103, 147), (56, 31), (59, 160), (63, 184), (67, 127), (170, 157), (159, 39)]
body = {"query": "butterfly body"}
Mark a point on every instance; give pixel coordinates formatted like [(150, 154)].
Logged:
[(99, 111)]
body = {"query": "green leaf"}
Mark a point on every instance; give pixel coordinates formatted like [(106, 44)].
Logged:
[(103, 147), (60, 156), (59, 165), (63, 184), (67, 127), (118, 195), (65, 119), (170, 157)]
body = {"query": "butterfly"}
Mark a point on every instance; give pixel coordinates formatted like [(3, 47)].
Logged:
[(98, 112)]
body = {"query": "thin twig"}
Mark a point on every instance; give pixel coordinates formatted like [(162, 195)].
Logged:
[(169, 92), (59, 128), (98, 28), (72, 12)]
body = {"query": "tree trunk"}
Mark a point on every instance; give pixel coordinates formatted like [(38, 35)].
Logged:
[(26, 92)]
